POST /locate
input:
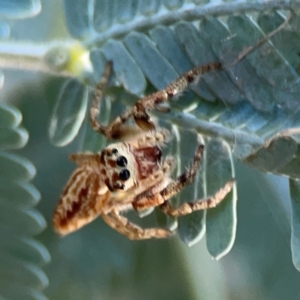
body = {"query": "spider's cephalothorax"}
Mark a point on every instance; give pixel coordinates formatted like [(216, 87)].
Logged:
[(123, 166), (130, 174), (118, 167)]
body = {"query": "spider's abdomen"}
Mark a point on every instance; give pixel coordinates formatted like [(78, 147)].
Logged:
[(81, 201), (147, 160)]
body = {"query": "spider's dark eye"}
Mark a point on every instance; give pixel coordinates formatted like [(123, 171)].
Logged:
[(124, 174), (114, 151), (122, 161)]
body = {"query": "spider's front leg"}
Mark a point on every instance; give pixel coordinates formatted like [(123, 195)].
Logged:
[(133, 231), (116, 130), (150, 102), (157, 195)]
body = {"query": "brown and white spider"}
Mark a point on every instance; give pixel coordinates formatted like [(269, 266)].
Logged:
[(132, 173)]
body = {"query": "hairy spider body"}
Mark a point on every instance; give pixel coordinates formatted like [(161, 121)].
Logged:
[(111, 179), (130, 174)]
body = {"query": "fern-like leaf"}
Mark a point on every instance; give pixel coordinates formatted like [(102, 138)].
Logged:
[(21, 255)]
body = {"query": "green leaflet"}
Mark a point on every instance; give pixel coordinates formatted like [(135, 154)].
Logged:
[(21, 256), (19, 10), (67, 116), (295, 241)]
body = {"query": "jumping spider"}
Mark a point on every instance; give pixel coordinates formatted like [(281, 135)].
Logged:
[(130, 174)]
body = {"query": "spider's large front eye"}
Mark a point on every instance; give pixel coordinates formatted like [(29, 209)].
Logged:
[(124, 174), (122, 161)]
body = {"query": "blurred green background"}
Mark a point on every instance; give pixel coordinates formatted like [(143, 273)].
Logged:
[(98, 263)]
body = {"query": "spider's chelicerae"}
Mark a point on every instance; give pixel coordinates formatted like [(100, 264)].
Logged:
[(132, 173)]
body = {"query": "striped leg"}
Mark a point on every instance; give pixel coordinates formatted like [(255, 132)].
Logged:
[(133, 231), (154, 196), (139, 111), (189, 207)]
